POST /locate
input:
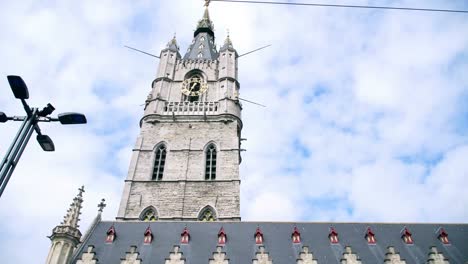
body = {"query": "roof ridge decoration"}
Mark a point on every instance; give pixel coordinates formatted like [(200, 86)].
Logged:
[(258, 236), (219, 257), (131, 257), (262, 257), (175, 257), (436, 257), (349, 257), (370, 236), (296, 235), (306, 257), (88, 257), (222, 237), (101, 206), (392, 257), (148, 236), (333, 236)]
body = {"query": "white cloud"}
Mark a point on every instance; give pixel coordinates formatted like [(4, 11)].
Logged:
[(375, 98)]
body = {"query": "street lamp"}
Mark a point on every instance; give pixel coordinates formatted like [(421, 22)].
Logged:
[(30, 123)]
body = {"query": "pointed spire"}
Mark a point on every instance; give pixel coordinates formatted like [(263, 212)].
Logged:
[(172, 44), (227, 43), (205, 24), (72, 217)]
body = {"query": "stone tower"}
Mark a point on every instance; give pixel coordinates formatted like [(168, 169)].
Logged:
[(185, 163)]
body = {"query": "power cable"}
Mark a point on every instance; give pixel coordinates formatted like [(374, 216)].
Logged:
[(346, 6)]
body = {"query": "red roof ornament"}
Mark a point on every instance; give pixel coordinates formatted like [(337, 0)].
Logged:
[(111, 234), (333, 236), (296, 236), (443, 236), (185, 236), (407, 236), (370, 236), (148, 236), (222, 237), (258, 236)]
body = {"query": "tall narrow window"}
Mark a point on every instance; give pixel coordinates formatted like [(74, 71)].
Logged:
[(159, 162), (210, 168)]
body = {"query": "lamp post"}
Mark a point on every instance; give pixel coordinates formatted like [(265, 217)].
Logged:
[(29, 124)]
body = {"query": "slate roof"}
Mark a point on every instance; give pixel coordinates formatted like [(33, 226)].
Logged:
[(240, 247)]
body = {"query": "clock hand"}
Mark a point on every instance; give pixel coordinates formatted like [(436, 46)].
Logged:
[(193, 86)]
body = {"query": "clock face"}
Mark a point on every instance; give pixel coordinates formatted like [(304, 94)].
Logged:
[(194, 86)]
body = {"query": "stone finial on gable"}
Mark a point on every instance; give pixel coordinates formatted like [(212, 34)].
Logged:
[(101, 206), (333, 236), (296, 236), (185, 236), (175, 257), (370, 236), (349, 257), (111, 234), (222, 237), (258, 236), (436, 257), (392, 257), (131, 257), (148, 236), (407, 236), (262, 257), (88, 257), (306, 257), (219, 257), (443, 236)]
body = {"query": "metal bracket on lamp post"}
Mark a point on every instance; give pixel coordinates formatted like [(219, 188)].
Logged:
[(29, 124)]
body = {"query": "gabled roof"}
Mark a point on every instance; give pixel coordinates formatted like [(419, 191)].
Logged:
[(241, 247)]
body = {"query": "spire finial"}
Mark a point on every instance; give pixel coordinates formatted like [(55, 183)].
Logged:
[(101, 205), (81, 191), (72, 217), (207, 3)]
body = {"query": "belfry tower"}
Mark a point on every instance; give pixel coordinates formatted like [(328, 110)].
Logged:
[(185, 163)]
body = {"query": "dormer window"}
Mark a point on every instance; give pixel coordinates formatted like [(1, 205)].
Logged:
[(407, 236), (370, 237), (258, 236), (148, 236), (443, 236), (201, 47), (333, 236), (296, 236), (110, 234), (185, 236), (222, 237)]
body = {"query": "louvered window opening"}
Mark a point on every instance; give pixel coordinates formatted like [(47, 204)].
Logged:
[(210, 171), (159, 163)]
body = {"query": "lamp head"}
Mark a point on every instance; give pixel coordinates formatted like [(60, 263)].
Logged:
[(46, 143), (3, 117), (18, 86), (72, 118)]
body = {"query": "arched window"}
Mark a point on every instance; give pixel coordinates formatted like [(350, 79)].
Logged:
[(207, 214), (159, 162), (210, 167), (149, 215)]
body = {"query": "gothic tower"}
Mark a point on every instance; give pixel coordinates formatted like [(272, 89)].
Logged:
[(185, 164)]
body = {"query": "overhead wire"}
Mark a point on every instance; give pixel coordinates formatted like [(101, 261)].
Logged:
[(346, 6)]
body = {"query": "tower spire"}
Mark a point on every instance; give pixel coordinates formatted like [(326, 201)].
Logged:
[(67, 233), (71, 219)]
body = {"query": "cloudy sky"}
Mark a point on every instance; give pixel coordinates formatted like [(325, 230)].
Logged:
[(366, 117)]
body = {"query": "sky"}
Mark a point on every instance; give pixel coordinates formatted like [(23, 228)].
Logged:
[(366, 117)]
